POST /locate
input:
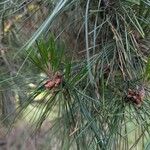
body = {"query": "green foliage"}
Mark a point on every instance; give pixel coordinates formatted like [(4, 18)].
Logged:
[(48, 57), (147, 71), (102, 100)]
